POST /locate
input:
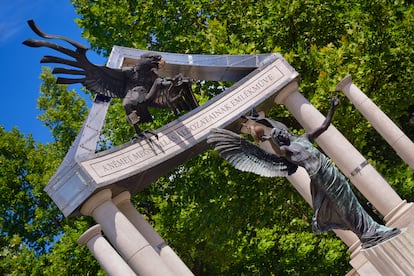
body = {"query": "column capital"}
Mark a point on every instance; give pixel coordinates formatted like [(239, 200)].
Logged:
[(343, 83), (124, 196), (89, 234), (285, 92), (94, 201)]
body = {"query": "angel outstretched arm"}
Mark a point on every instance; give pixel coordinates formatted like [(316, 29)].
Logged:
[(315, 134)]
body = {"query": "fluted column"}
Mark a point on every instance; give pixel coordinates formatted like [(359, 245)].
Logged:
[(131, 245), (394, 256), (371, 184), (379, 120), (104, 253), (176, 265)]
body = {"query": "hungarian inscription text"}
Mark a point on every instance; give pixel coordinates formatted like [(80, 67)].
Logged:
[(187, 132)]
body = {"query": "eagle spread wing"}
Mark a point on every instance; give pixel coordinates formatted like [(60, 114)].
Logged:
[(99, 79), (140, 86), (246, 156)]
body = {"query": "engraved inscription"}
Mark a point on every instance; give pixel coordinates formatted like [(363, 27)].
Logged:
[(179, 136), (120, 162), (229, 104)]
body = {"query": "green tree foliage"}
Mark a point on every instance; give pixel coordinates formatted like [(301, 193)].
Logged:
[(35, 238), (219, 220), (63, 111)]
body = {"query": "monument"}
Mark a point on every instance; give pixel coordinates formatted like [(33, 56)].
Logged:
[(101, 184)]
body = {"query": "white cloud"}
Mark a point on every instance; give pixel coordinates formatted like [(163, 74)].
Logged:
[(8, 31), (13, 16)]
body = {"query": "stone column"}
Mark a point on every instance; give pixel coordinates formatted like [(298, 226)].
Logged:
[(176, 265), (104, 253), (354, 166), (381, 122), (131, 245)]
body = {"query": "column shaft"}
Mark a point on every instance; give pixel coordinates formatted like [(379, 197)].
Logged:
[(133, 247), (123, 202), (104, 253), (169, 257), (379, 120)]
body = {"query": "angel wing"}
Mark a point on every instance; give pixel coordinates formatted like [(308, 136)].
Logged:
[(246, 156), (99, 79)]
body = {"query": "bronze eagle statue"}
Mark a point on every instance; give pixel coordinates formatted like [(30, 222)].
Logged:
[(139, 86)]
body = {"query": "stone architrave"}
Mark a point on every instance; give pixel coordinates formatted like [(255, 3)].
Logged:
[(134, 165)]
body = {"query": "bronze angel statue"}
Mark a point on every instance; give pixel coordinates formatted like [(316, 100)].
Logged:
[(334, 203), (140, 86)]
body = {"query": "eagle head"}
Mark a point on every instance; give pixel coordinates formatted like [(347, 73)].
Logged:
[(151, 60)]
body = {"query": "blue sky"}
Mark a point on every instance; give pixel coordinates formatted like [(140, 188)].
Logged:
[(20, 65)]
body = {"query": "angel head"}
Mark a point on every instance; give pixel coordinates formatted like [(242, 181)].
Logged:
[(280, 133), (281, 136)]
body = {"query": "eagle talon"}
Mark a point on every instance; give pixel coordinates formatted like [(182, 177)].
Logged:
[(145, 135)]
